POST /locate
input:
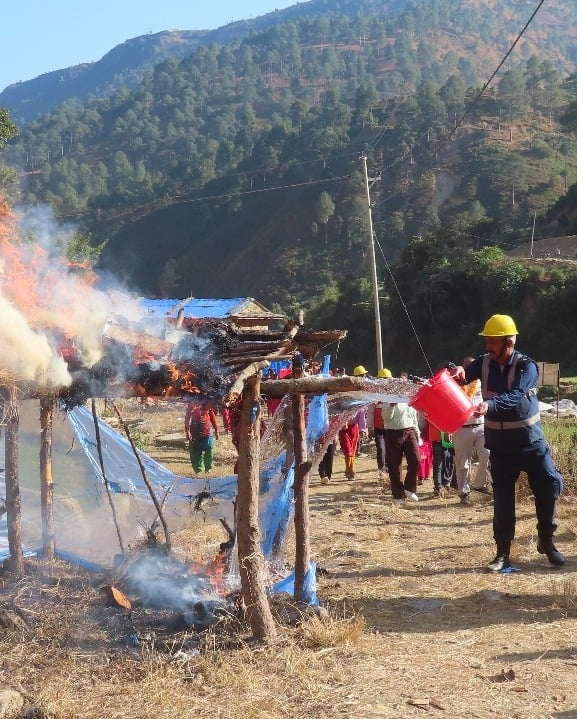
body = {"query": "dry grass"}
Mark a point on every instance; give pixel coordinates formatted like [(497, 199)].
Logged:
[(414, 624)]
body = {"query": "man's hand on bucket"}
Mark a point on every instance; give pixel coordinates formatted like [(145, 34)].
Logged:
[(481, 409), (457, 372)]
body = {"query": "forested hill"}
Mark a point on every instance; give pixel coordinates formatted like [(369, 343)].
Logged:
[(236, 170), (126, 64)]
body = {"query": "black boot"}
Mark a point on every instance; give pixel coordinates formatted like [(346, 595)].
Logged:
[(501, 561), (545, 546)]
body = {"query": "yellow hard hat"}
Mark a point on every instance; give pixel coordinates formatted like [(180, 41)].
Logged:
[(384, 373), (499, 326), (359, 370)]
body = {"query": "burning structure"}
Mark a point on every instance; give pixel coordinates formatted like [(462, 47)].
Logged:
[(66, 340), (64, 335)]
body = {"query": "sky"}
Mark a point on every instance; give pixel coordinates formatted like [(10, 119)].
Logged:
[(39, 36)]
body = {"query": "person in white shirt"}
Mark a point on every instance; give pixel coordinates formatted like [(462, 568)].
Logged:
[(402, 437), (471, 437)]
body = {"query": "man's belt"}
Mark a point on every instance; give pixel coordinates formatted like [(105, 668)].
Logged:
[(491, 424)]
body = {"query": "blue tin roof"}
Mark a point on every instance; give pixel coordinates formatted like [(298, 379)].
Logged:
[(199, 308)]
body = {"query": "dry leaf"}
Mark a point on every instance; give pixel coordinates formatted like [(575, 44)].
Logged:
[(121, 598), (437, 703), (508, 675), (519, 689)]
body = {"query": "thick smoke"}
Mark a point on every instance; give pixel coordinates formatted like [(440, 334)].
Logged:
[(27, 354), (50, 311), (63, 329)]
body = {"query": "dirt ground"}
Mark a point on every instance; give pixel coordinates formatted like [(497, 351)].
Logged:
[(416, 626)]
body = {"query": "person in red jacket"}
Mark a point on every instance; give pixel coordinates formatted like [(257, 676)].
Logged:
[(201, 430), (349, 438)]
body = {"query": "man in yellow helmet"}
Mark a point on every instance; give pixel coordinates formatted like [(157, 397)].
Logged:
[(515, 438), (375, 424)]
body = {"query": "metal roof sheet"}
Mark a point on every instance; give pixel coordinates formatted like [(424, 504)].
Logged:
[(201, 308)]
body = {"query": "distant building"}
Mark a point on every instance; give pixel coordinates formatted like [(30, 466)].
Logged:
[(564, 248), (243, 313)]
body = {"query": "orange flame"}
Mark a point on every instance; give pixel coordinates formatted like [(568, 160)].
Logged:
[(184, 378), (215, 571)]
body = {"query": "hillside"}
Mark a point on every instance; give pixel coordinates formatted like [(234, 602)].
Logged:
[(125, 64)]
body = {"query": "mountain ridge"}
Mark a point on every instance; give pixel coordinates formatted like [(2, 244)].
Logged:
[(138, 55), (128, 62)]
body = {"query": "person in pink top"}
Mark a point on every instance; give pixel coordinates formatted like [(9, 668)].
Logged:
[(201, 430)]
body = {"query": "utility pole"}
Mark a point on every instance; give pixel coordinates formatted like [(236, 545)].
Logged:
[(369, 182)]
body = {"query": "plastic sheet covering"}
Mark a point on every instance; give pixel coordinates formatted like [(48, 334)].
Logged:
[(325, 415), (84, 525), (83, 519), (124, 476)]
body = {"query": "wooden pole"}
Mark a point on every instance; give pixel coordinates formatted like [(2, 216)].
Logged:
[(13, 499), (314, 384), (46, 480), (250, 557), (104, 475), (157, 504), (238, 386), (301, 490)]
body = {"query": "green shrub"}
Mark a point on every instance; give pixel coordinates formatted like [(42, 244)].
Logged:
[(561, 434)]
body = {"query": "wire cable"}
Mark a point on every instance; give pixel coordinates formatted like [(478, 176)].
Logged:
[(473, 102), (499, 66), (443, 144), (404, 306)]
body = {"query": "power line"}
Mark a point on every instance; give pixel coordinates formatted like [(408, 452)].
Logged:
[(457, 125), (473, 102), (499, 66), (184, 199), (404, 306)]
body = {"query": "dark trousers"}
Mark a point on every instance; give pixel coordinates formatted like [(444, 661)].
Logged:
[(546, 484), (443, 466), (401, 443), (326, 463), (380, 445), (438, 459)]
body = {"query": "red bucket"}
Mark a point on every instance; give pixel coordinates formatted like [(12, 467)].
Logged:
[(443, 402)]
